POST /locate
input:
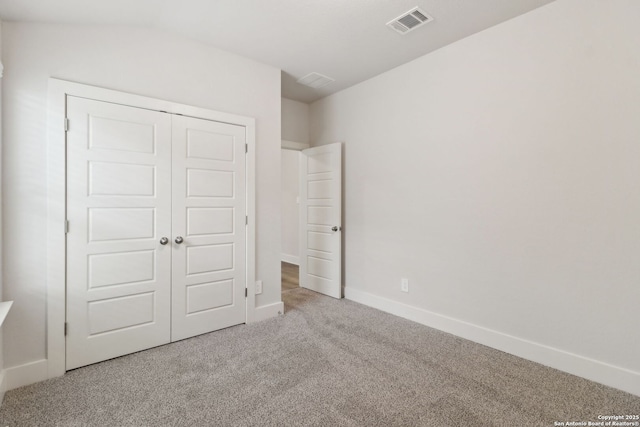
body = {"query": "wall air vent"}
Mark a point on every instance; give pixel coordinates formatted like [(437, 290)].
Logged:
[(409, 21), (315, 80)]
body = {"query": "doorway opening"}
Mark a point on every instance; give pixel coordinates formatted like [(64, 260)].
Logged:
[(290, 187), (311, 182)]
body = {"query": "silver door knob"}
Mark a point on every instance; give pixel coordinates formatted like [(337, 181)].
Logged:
[(179, 239), (164, 241), (336, 228)]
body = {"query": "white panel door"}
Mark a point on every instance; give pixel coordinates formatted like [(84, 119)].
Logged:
[(209, 231), (320, 219), (118, 208)]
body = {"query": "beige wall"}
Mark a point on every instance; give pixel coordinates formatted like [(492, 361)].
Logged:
[(295, 121), (139, 61), (500, 175)]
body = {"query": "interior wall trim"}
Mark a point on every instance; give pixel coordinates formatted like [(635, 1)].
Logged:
[(3, 386), (268, 311), (28, 373)]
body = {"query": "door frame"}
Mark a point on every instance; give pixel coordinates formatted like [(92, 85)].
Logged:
[(58, 91)]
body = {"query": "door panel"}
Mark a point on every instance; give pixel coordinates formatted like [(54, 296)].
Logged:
[(209, 266), (209, 183), (118, 207), (121, 268), (118, 224), (121, 179), (207, 296), (208, 221), (114, 314), (320, 219)]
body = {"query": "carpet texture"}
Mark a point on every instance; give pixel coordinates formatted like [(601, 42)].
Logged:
[(326, 362)]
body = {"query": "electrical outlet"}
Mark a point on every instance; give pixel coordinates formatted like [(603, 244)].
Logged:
[(258, 287), (404, 285)]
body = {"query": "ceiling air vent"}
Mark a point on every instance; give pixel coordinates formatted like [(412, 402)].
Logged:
[(315, 80), (409, 21)]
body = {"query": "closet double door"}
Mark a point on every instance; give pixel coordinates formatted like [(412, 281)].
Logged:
[(156, 238)]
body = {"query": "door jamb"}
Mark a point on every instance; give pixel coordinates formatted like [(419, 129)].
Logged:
[(58, 90)]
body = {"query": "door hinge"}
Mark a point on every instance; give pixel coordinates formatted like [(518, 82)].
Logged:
[(66, 328), (66, 124), (246, 220), (246, 148), (246, 292), (66, 227)]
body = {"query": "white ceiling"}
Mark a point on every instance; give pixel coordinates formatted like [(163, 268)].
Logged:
[(344, 39)]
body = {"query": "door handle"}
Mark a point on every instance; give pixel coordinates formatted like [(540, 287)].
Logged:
[(335, 228), (179, 239), (164, 241)]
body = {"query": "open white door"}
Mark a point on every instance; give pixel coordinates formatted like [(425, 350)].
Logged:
[(320, 219)]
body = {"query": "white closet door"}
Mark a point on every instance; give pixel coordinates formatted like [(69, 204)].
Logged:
[(118, 208), (209, 208), (320, 219)]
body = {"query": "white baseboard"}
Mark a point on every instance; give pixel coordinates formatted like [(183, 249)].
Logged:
[(604, 373), (291, 259), (3, 386), (26, 374), (268, 311)]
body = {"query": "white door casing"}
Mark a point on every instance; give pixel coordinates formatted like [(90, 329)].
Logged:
[(209, 209), (320, 219), (118, 206), (157, 248)]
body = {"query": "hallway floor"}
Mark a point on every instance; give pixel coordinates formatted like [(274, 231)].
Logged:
[(290, 275)]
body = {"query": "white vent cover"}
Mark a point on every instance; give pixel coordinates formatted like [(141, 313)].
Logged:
[(315, 80), (409, 21)]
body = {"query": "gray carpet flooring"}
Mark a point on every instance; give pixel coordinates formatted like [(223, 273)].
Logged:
[(326, 362)]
